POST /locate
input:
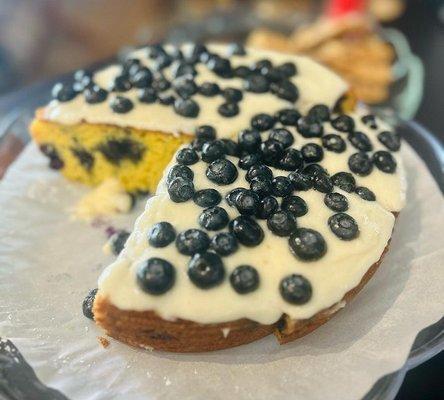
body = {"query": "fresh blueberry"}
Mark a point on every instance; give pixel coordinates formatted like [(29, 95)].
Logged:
[(185, 86), (262, 122), (95, 94), (213, 218), (291, 160), (147, 96), (259, 170), (242, 71), (187, 156), (287, 69), (334, 143), (281, 186), (63, 92), (261, 186), (244, 279), (249, 140), (343, 123), (390, 140), (162, 62), (262, 65), (307, 244), (186, 108), (336, 202), (300, 180), (166, 99), (285, 90), (180, 190), (256, 83), (384, 161), (365, 193), (142, 79), (272, 151), (343, 226), (205, 132), (155, 50), (121, 83), (236, 49), (319, 112), (121, 105), (117, 241), (288, 116), (206, 270), (283, 136), (222, 172), (207, 198), (247, 202), (309, 128), (161, 234), (212, 151), (231, 147), (220, 66), (360, 141), (160, 84), (295, 205), (296, 289), (246, 230), (224, 244), (130, 66), (180, 170), (88, 302), (313, 170), (228, 110), (322, 183), (370, 121), (268, 206), (282, 223), (183, 69), (155, 276), (360, 164), (231, 196), (345, 181), (248, 160), (83, 78), (232, 95), (312, 152), (192, 241), (196, 52), (209, 89)]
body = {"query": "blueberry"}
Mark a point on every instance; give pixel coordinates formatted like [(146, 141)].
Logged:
[(285, 90), (268, 206), (309, 128), (186, 108), (187, 156), (88, 302), (244, 279), (256, 83), (295, 289), (117, 241), (360, 141), (262, 122), (360, 164), (142, 79), (312, 152), (162, 62), (121, 105), (176, 53), (259, 170), (130, 66), (370, 121), (334, 143), (307, 244), (63, 92), (160, 84), (283, 136), (83, 78), (249, 140), (155, 276), (185, 86), (291, 160), (336, 201), (236, 49), (272, 151), (192, 241), (213, 218), (390, 140), (288, 116), (343, 123), (232, 95), (343, 226), (212, 151), (247, 202), (205, 132), (228, 110), (161, 234), (197, 144), (121, 83), (262, 65), (231, 196), (196, 52), (313, 170), (248, 160), (155, 50), (209, 89), (365, 193), (85, 158), (180, 170), (95, 94), (224, 244), (180, 190), (206, 270), (384, 161), (207, 198), (345, 181), (242, 71), (220, 66), (117, 150), (322, 183), (246, 230), (287, 69), (231, 147), (295, 205), (300, 180), (166, 99), (183, 69), (147, 96), (281, 186), (319, 112), (282, 223), (261, 186), (222, 172)]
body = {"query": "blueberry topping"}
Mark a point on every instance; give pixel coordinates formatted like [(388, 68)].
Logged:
[(343, 123), (231, 147), (247, 231), (360, 141), (95, 94), (185, 86), (155, 51), (224, 244), (288, 116), (187, 156), (121, 84), (268, 206), (282, 223), (142, 78), (295, 205), (262, 65), (161, 234), (121, 105), (249, 140), (205, 132), (244, 279), (300, 180), (322, 183), (63, 92), (231, 196), (370, 121), (272, 151), (206, 270), (343, 226), (360, 164), (242, 71), (259, 171), (262, 122), (313, 170), (196, 53), (207, 198), (228, 110), (183, 69), (209, 89), (261, 186), (213, 218), (247, 202), (247, 161), (384, 161), (309, 128), (166, 99), (160, 84), (147, 96), (180, 190), (88, 302), (222, 172), (130, 66), (334, 143), (307, 244), (232, 95), (192, 241), (236, 49), (287, 69), (291, 160), (256, 83), (296, 289), (336, 202), (312, 152), (283, 136), (365, 193), (212, 151), (180, 170), (83, 78), (345, 181), (155, 276), (319, 112), (220, 66), (285, 90), (117, 241), (390, 140), (281, 186), (186, 108)]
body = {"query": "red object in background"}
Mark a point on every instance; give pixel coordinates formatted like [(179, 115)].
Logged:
[(338, 8)]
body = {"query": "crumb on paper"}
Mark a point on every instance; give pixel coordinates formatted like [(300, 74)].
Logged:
[(103, 341)]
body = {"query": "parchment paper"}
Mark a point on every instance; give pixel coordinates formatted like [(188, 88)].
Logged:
[(48, 263)]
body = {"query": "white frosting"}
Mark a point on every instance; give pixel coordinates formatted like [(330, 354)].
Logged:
[(316, 85)]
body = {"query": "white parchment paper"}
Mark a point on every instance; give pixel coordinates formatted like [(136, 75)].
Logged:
[(48, 263)]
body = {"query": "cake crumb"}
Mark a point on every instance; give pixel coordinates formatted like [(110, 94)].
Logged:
[(103, 341)]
